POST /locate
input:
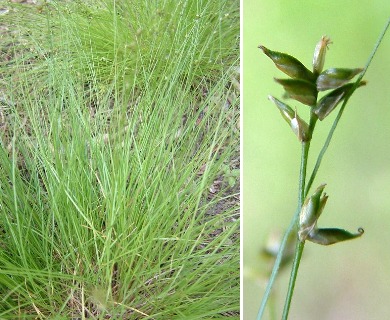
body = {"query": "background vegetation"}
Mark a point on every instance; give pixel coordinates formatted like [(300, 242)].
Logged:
[(348, 280), (119, 154)]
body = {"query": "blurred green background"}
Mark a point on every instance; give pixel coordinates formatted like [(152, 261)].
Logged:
[(350, 280)]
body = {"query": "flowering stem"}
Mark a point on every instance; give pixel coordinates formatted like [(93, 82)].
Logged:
[(293, 224), (303, 191), (293, 277), (302, 173), (301, 199)]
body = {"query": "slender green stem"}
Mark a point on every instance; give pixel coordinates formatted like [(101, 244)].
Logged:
[(293, 223), (276, 266), (272, 308), (302, 173), (304, 156), (293, 277), (301, 199)]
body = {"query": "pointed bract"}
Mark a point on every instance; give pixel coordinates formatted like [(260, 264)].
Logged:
[(335, 78), (298, 125), (330, 236), (289, 65), (286, 111)]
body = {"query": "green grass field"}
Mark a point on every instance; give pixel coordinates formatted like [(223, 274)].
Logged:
[(119, 160)]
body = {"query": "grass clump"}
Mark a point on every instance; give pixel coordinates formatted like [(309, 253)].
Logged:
[(116, 195)]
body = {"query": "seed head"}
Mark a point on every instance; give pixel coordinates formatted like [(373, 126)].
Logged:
[(319, 54)]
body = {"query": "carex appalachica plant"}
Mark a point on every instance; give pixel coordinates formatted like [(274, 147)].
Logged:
[(304, 86)]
